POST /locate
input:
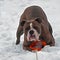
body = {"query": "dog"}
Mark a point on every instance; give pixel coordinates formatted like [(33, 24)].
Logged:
[(35, 26)]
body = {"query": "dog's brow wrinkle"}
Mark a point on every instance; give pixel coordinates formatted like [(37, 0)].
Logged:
[(28, 21)]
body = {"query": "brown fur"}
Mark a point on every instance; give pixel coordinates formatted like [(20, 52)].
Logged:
[(29, 15)]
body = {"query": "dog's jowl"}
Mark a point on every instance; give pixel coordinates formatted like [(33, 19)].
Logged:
[(35, 26)]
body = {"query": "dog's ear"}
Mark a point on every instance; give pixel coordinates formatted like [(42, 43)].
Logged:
[(22, 23), (38, 20)]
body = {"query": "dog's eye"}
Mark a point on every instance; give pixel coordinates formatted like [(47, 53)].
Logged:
[(35, 27), (22, 23), (27, 28)]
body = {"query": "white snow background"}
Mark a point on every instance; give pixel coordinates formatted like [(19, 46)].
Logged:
[(10, 12)]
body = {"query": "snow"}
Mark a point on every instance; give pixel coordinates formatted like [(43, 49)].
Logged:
[(10, 12)]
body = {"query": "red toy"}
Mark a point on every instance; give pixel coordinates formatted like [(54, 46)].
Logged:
[(37, 45)]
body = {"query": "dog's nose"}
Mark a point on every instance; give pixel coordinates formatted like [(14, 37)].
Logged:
[(31, 32)]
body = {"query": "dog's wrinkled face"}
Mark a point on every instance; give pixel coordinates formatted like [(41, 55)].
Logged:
[(32, 29), (33, 32)]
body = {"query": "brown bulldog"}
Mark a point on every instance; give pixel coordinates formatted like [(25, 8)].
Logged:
[(35, 26)]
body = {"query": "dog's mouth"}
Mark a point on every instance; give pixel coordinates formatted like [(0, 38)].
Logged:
[(32, 37)]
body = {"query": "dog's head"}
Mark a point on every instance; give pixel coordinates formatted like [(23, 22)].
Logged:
[(32, 29)]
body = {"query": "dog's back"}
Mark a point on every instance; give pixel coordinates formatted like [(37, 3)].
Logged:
[(34, 12)]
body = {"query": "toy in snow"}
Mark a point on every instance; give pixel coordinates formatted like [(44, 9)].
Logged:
[(37, 45)]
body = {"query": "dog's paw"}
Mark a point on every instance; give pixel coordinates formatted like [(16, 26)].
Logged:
[(27, 49), (17, 42), (52, 44)]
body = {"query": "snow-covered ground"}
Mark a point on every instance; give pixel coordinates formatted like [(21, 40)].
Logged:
[(10, 12)]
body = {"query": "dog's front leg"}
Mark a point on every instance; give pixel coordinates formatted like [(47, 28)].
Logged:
[(19, 33), (48, 36)]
